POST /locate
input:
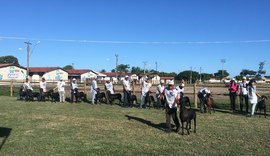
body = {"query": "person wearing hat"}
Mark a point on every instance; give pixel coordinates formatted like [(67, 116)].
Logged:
[(233, 89), (94, 89), (126, 90), (74, 90), (172, 101), (145, 88), (109, 90), (42, 89), (243, 93), (61, 90), (253, 96), (160, 94), (180, 89)]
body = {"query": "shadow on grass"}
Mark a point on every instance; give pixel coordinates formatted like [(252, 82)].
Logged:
[(4, 134), (160, 126)]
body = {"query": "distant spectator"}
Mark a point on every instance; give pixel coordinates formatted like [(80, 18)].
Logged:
[(94, 90), (233, 88), (74, 90), (181, 89), (145, 90), (126, 90), (109, 90), (160, 94), (61, 90), (252, 95), (42, 89), (243, 93), (202, 96)]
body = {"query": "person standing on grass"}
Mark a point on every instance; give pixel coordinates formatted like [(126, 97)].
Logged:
[(145, 88), (243, 94), (202, 96), (126, 90), (109, 90), (61, 90), (94, 89), (233, 89), (42, 89), (160, 94), (172, 101), (253, 96), (74, 90)]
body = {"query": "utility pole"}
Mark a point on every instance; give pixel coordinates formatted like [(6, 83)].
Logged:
[(28, 44), (190, 81), (144, 63), (156, 66), (223, 61), (116, 64)]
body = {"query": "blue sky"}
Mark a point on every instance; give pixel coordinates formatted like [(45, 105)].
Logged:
[(178, 34)]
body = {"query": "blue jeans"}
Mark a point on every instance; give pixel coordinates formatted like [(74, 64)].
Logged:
[(127, 98)]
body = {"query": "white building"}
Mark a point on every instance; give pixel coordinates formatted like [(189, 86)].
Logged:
[(12, 72)]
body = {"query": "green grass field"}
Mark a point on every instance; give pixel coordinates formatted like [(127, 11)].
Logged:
[(83, 129)]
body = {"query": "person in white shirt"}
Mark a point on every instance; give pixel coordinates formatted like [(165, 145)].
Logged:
[(202, 96), (180, 89), (27, 85), (145, 88), (252, 95), (94, 88), (74, 90), (42, 89), (243, 94), (126, 90), (28, 89), (172, 101), (160, 94), (61, 90), (109, 90)]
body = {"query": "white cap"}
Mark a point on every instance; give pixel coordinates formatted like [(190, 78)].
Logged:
[(244, 78), (126, 76), (73, 79), (233, 79), (171, 83), (183, 85), (162, 81)]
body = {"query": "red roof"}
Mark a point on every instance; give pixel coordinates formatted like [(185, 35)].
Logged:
[(6, 65), (167, 78), (78, 71), (109, 74), (42, 69)]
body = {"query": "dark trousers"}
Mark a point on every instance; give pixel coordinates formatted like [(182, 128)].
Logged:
[(242, 98), (202, 102), (41, 95), (127, 102), (233, 100), (74, 93), (171, 113)]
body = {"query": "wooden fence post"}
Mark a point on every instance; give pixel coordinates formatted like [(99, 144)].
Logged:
[(85, 87), (133, 87), (195, 95), (11, 87)]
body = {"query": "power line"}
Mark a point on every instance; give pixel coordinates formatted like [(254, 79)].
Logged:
[(136, 42)]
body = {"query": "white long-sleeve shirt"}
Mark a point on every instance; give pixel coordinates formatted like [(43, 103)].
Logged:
[(61, 86), (43, 85), (146, 87), (126, 85), (94, 86), (109, 87)]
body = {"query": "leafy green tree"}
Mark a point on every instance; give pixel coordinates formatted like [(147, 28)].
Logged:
[(68, 67), (247, 72), (123, 68), (221, 74), (9, 60), (186, 75), (136, 70), (261, 70)]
